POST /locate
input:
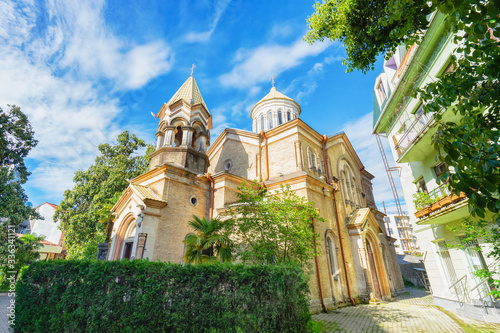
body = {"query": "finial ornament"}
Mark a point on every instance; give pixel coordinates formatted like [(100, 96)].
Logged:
[(192, 69), (272, 79)]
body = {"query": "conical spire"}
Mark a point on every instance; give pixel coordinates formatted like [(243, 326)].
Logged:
[(189, 93)]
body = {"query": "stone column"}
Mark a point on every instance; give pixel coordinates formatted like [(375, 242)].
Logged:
[(169, 136), (159, 140), (141, 244), (187, 136), (298, 155)]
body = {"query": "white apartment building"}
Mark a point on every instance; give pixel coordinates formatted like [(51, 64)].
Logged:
[(449, 261)]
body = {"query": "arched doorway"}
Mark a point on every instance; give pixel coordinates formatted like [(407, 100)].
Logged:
[(373, 270)]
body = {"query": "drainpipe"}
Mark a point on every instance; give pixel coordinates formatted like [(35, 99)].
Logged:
[(209, 177), (267, 156), (338, 224), (317, 269)]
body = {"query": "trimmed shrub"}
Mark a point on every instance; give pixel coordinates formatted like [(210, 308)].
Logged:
[(142, 296)]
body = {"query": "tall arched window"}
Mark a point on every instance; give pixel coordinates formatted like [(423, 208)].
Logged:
[(128, 242), (270, 119), (280, 118), (178, 137), (331, 249), (262, 122), (288, 115), (311, 158)]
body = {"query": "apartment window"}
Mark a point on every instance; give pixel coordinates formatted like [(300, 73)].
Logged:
[(401, 233), (440, 169), (421, 187), (391, 232), (446, 261), (399, 222)]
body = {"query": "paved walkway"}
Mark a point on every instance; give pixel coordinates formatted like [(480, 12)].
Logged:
[(4, 312), (412, 312)]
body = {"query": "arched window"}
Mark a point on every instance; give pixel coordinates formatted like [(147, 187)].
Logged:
[(262, 122), (311, 158), (280, 118), (270, 119), (128, 243), (178, 137), (288, 115), (331, 250)]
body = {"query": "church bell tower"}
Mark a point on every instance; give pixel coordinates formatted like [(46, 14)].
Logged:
[(183, 134)]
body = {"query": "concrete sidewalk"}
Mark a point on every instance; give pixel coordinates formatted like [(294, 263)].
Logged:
[(412, 312), (4, 312)]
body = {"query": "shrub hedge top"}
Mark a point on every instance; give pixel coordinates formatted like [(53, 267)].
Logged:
[(143, 296)]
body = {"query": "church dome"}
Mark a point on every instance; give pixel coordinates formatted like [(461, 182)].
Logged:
[(273, 110)]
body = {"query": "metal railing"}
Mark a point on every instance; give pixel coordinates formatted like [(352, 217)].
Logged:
[(463, 292), (413, 132)]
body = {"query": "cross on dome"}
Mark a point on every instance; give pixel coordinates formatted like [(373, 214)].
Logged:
[(192, 69), (272, 79)]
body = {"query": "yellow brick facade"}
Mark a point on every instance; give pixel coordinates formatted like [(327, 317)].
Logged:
[(325, 170)]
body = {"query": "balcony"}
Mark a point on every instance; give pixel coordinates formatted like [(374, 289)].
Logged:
[(438, 202), (416, 133)]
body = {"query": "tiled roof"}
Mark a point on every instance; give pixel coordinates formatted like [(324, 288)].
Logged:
[(188, 92), (274, 94), (147, 193)]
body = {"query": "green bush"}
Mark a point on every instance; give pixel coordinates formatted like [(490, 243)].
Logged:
[(142, 296)]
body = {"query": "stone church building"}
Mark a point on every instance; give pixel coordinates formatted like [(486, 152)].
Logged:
[(189, 176)]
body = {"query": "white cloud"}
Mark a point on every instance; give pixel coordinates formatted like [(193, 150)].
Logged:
[(201, 37), (281, 30), (93, 50), (255, 66), (54, 74), (359, 133)]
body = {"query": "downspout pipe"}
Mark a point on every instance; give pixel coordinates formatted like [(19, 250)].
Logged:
[(338, 224), (267, 154), (209, 177), (317, 269)]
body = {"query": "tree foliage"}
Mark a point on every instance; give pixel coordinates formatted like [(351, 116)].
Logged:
[(17, 138), (272, 228), (84, 211), (472, 90), (207, 244)]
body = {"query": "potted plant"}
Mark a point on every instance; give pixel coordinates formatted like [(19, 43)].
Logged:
[(422, 201)]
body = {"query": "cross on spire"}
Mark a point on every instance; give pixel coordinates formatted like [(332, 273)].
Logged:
[(272, 79), (192, 69)]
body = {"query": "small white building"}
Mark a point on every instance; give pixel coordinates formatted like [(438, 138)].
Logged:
[(52, 243), (400, 227)]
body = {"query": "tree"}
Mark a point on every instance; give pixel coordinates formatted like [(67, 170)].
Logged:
[(471, 145), (17, 138), (26, 252), (84, 210), (207, 244), (272, 228), (16, 141)]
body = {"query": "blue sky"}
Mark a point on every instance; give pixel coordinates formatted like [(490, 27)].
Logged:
[(83, 71)]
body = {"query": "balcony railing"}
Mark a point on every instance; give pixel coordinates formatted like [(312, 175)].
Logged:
[(436, 199), (413, 132)]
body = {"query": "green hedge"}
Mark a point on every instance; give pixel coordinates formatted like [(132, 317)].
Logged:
[(142, 296)]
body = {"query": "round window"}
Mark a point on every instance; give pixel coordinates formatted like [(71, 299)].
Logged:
[(193, 200), (228, 164)]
